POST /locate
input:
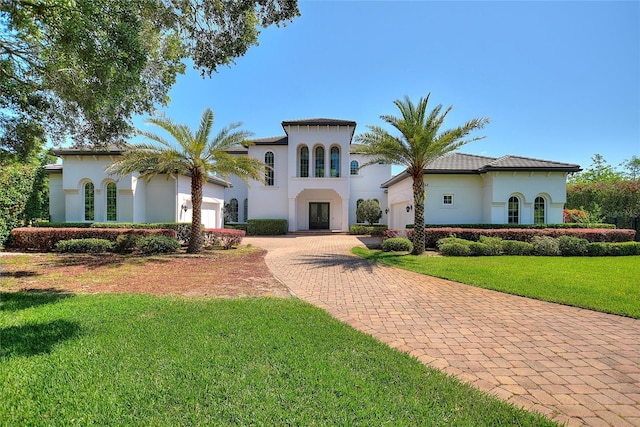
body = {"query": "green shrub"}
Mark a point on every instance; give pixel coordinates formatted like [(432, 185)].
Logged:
[(157, 245), (397, 244), (545, 246), (516, 247), (84, 246), (126, 243), (598, 249), (267, 227), (480, 249), (573, 246), (373, 230), (16, 185), (455, 249), (237, 226), (452, 239), (494, 244), (182, 229), (624, 249)]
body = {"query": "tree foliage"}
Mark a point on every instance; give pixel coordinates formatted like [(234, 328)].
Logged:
[(16, 185), (617, 201), (599, 171), (195, 154), (82, 68), (420, 141), (369, 210)]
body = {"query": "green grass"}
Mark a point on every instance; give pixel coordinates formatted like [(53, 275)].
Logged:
[(607, 284), (143, 360)]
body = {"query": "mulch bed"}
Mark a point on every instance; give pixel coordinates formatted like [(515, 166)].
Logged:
[(229, 274)]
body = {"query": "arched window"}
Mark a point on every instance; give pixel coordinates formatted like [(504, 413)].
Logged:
[(335, 162), (304, 162), (89, 202), (359, 218), (513, 215), (539, 210), (269, 175), (319, 158), (246, 210), (354, 167), (233, 210), (112, 201)]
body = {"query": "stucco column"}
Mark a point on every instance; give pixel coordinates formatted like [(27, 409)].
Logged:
[(345, 214), (293, 220)]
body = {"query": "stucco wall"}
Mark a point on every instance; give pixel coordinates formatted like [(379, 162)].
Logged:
[(466, 192), (366, 185), (270, 201), (56, 198)]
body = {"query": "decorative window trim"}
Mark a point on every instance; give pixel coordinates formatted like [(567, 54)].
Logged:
[(536, 210), (303, 162), (511, 218), (448, 200), (319, 162), (334, 161), (111, 211), (88, 201)]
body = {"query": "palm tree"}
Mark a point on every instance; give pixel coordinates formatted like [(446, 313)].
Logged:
[(419, 143), (193, 154)]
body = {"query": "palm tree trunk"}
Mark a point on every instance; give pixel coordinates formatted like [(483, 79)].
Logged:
[(418, 209), (195, 238)]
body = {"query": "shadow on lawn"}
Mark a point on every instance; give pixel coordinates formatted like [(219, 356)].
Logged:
[(35, 338), (27, 298)]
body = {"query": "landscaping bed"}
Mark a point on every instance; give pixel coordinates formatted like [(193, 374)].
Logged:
[(233, 273)]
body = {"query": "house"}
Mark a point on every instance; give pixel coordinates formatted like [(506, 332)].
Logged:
[(80, 190), (471, 189), (315, 182)]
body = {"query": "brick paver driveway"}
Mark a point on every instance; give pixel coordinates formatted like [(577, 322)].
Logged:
[(579, 367)]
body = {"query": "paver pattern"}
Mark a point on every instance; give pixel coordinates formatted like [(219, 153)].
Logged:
[(578, 367)]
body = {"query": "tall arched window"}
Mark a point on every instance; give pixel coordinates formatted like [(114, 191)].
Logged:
[(539, 210), (513, 215), (359, 218), (246, 210), (112, 201), (335, 162), (319, 159), (354, 167), (89, 202), (233, 210), (269, 175), (304, 162)]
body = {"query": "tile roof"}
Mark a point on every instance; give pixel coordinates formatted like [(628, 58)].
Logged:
[(274, 140), (460, 163), (319, 122)]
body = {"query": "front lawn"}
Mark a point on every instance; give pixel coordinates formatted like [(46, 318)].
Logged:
[(607, 284), (125, 359)]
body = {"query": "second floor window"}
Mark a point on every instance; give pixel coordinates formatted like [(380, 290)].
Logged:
[(304, 162), (319, 158), (335, 162), (269, 175), (354, 167)]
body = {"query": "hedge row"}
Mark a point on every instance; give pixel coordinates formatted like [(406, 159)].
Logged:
[(267, 227), (182, 229), (432, 235), (373, 230), (533, 226), (45, 239), (540, 245), (227, 238)]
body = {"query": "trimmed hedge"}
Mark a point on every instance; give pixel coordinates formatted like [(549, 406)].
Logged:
[(84, 246), (157, 244), (373, 230), (397, 244), (227, 238), (237, 226), (45, 239), (534, 226), (432, 235), (267, 227), (182, 229), (541, 246)]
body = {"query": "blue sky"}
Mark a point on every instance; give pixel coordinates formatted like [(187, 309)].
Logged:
[(559, 80)]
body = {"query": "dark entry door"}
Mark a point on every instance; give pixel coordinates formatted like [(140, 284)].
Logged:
[(318, 216)]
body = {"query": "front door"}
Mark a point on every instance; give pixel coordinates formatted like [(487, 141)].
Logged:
[(318, 216)]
